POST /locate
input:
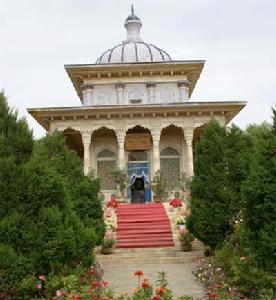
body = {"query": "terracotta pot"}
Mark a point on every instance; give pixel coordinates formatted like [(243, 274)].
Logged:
[(156, 199), (186, 247), (106, 251)]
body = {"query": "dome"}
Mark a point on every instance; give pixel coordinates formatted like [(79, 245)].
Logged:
[(133, 49)]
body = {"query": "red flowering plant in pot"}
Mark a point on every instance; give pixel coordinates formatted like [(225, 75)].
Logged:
[(176, 201)]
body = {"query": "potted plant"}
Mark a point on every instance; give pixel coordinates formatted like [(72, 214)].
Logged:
[(180, 222), (159, 187), (121, 179), (108, 245), (186, 239)]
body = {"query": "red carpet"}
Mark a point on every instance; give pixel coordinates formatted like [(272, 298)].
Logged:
[(143, 225)]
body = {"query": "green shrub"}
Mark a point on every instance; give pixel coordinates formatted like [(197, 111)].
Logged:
[(220, 167), (259, 195)]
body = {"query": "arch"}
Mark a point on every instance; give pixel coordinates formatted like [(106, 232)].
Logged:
[(106, 154), (170, 164), (132, 127), (169, 152), (106, 164), (73, 140)]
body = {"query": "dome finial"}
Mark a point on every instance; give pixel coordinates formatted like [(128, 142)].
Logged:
[(133, 25)]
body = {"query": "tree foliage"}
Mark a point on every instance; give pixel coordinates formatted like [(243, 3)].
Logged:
[(50, 215), (220, 166), (259, 194), (16, 139)]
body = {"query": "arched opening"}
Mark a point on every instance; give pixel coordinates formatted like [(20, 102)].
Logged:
[(73, 140), (138, 144), (170, 164), (172, 150), (104, 156), (106, 164)]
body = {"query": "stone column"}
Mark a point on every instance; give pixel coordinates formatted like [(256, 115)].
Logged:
[(87, 94), (188, 135), (121, 133), (183, 90), (86, 140), (151, 89), (120, 93), (156, 133)]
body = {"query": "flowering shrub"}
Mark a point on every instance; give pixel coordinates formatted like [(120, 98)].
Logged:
[(92, 285), (181, 220), (113, 202), (175, 203)]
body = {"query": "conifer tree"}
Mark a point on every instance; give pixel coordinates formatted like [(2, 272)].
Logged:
[(259, 193), (220, 166)]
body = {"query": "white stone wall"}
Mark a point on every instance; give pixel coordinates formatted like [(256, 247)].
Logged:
[(110, 94)]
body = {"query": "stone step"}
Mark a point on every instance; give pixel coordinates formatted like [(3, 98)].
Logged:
[(152, 254), (148, 260), (143, 243)]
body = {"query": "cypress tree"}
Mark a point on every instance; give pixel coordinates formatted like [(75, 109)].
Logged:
[(221, 165), (259, 193)]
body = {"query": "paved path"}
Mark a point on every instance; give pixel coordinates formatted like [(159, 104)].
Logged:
[(180, 278)]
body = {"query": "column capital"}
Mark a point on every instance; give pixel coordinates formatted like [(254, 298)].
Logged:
[(156, 133), (86, 136), (121, 134), (183, 84), (151, 85), (188, 134), (119, 85), (87, 86)]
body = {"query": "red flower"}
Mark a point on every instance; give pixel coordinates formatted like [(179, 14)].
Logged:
[(160, 291), (213, 295), (175, 203), (145, 283), (138, 273), (95, 284), (156, 298), (105, 284), (41, 278)]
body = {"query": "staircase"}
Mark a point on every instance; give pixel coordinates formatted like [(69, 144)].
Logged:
[(143, 226)]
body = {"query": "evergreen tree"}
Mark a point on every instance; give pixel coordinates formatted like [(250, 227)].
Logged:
[(259, 193), (41, 231), (220, 166), (16, 139)]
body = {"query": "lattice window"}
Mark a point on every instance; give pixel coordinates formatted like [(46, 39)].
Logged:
[(106, 164), (170, 164)]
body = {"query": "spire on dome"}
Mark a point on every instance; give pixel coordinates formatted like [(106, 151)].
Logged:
[(133, 25)]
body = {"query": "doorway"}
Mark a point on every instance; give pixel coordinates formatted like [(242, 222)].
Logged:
[(138, 191)]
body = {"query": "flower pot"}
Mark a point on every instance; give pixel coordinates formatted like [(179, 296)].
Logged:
[(186, 247), (156, 199), (181, 227), (106, 251)]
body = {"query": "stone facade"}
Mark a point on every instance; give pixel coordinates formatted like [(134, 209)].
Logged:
[(135, 87)]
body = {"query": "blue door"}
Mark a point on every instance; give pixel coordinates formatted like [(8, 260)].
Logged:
[(139, 190)]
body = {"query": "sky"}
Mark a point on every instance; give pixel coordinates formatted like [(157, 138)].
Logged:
[(237, 39)]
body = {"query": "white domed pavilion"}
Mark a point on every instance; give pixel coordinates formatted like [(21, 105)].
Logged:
[(136, 114)]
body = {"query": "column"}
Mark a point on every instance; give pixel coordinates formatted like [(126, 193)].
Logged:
[(156, 133), (120, 93), (86, 140), (121, 133), (183, 90), (151, 89), (87, 94), (188, 136)]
